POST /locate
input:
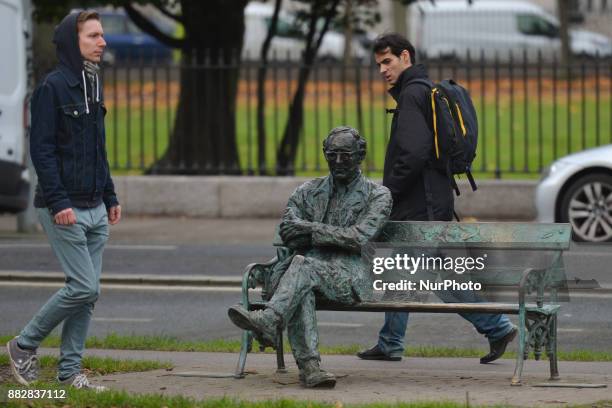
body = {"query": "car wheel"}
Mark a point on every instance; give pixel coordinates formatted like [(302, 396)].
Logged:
[(587, 206)]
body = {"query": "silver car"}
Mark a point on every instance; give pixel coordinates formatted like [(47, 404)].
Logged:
[(578, 189)]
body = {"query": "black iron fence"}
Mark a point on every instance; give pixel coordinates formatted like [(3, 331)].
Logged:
[(530, 112)]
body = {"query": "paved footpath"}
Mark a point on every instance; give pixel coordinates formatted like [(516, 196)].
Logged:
[(208, 375)]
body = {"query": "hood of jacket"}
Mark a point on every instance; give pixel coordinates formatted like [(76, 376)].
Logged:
[(410, 73), (67, 44), (66, 41)]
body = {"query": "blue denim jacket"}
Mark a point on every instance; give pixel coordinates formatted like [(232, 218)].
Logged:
[(67, 144)]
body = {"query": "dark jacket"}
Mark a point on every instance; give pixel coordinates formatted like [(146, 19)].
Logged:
[(67, 141), (410, 153)]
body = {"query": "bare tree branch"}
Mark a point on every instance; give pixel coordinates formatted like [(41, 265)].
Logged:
[(271, 32), (261, 96), (147, 26), (309, 51), (328, 18)]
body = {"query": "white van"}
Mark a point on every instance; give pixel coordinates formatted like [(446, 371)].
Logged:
[(288, 43), (448, 29), (15, 27)]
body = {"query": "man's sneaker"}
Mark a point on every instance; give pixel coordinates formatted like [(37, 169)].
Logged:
[(80, 381), (24, 363)]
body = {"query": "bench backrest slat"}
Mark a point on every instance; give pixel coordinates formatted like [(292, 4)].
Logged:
[(478, 234)]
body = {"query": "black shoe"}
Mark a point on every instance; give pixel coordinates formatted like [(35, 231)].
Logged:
[(499, 347), (375, 353)]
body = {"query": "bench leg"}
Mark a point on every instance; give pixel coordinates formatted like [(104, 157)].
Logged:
[(280, 357), (518, 369), (244, 349), (552, 348)]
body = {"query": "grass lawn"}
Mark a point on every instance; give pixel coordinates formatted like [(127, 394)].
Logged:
[(513, 138), (95, 365), (162, 343), (115, 399)]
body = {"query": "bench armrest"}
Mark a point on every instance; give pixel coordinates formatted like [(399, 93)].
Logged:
[(253, 274), (537, 280)]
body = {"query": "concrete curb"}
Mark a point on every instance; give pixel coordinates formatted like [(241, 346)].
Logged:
[(266, 197), (126, 279)]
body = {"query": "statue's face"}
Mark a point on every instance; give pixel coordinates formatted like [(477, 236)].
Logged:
[(343, 157)]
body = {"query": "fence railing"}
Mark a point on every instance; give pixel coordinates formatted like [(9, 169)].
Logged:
[(530, 112)]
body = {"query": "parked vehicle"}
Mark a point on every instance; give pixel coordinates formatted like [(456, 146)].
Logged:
[(125, 41), (15, 26), (578, 189), (451, 29), (289, 40)]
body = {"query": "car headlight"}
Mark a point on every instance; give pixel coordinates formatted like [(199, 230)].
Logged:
[(545, 172), (558, 166), (554, 168)]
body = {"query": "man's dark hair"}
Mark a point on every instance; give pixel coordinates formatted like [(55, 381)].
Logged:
[(361, 142), (396, 44), (86, 15)]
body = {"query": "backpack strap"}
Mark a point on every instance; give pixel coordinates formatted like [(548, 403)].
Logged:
[(450, 175), (426, 184), (434, 127), (470, 178)]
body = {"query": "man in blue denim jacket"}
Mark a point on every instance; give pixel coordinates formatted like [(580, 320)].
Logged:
[(75, 197)]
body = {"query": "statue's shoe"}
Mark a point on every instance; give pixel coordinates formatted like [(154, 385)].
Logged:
[(262, 322), (321, 379), (311, 376), (327, 379)]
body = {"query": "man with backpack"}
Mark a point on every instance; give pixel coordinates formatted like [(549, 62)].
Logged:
[(421, 188)]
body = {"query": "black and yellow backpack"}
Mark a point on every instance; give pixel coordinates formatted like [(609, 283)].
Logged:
[(455, 128)]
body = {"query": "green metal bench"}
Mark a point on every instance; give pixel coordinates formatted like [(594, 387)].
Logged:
[(537, 317)]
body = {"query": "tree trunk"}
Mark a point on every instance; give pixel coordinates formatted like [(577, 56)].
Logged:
[(348, 31), (285, 157), (261, 92), (563, 15), (288, 149), (204, 137)]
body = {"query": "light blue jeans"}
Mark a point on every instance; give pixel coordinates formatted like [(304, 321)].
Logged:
[(79, 249), (493, 326)]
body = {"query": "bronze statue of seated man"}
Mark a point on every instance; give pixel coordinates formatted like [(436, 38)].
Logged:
[(327, 222)]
